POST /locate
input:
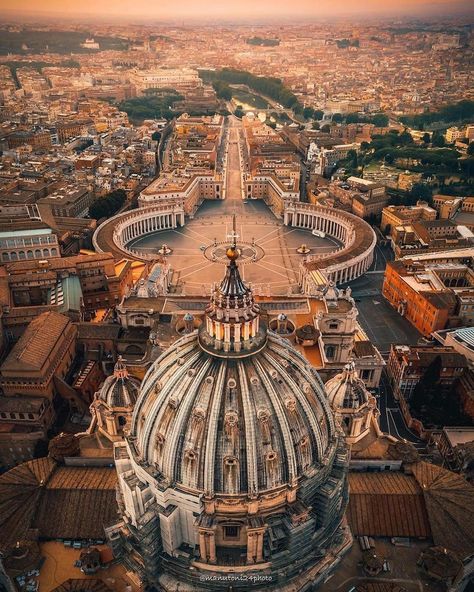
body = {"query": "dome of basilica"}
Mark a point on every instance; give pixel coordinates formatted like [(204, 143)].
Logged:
[(237, 425), (233, 457), (233, 408)]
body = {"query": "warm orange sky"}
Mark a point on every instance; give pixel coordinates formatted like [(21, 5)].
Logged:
[(242, 9)]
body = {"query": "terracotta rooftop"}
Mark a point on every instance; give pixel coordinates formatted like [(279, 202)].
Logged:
[(449, 500), (37, 342), (430, 502), (58, 501), (386, 504), (82, 585)]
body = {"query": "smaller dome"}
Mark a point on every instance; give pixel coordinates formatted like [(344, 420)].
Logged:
[(120, 389), (282, 317), (347, 390), (188, 317)]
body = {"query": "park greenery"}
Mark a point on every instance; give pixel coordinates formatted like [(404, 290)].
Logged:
[(264, 42), (152, 106), (107, 206), (399, 148), (455, 112), (63, 42), (345, 43), (270, 87), (310, 113), (378, 119), (223, 90)]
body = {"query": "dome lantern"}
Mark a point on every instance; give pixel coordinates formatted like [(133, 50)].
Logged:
[(232, 327)]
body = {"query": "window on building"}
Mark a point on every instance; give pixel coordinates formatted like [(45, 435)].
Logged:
[(330, 352), (231, 531)]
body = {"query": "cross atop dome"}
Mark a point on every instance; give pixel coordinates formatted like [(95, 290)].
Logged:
[(232, 327)]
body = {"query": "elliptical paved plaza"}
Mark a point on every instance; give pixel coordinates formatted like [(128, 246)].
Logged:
[(275, 270)]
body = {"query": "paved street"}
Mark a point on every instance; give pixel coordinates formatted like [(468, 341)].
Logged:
[(380, 321)]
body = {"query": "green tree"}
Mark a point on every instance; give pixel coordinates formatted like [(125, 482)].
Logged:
[(438, 140), (352, 118), (337, 118), (107, 206), (421, 191), (467, 167), (318, 114), (426, 138), (223, 90), (405, 138), (308, 112), (380, 120), (239, 111), (470, 149)]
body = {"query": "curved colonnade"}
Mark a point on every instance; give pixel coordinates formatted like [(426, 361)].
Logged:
[(115, 234), (345, 263)]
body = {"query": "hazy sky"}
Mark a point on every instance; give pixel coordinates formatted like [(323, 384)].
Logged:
[(233, 9)]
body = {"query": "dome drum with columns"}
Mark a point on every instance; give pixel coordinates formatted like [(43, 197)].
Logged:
[(234, 461)]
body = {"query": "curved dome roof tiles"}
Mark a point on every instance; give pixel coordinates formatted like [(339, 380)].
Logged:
[(233, 426)]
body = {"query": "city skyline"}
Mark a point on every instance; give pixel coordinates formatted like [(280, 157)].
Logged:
[(213, 10), (236, 296)]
